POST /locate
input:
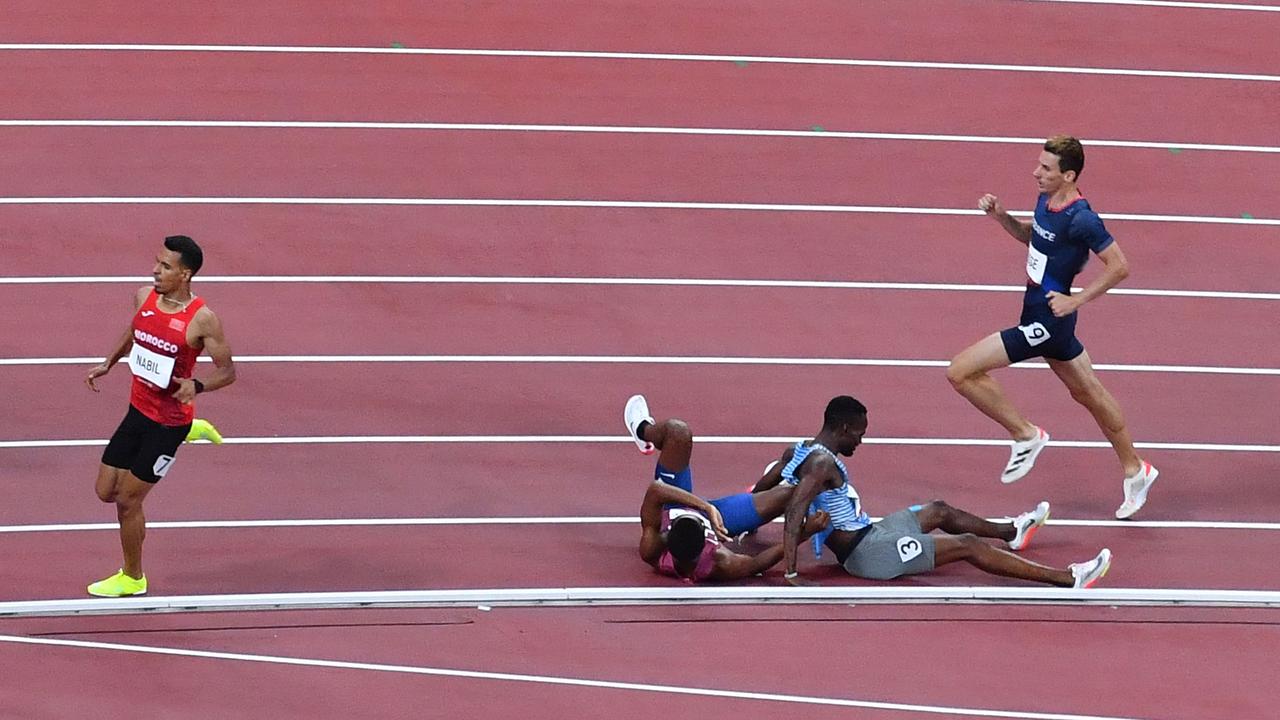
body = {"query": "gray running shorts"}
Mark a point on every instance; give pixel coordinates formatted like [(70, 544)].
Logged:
[(893, 547)]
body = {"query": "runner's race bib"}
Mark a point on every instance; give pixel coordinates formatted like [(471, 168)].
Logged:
[(1036, 261), (151, 366), (1035, 333)]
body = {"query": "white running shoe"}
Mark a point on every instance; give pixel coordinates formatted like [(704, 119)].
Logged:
[(1088, 573), (1023, 456), (1027, 524), (636, 412), (1136, 487)]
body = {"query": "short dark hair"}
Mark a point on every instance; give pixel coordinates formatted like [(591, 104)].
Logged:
[(1069, 151), (842, 409), (685, 538), (189, 253)]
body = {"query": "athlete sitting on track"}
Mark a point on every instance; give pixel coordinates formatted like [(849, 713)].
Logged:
[(681, 533), (899, 544)]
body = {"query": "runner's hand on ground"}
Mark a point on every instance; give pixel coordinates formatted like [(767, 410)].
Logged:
[(799, 581)]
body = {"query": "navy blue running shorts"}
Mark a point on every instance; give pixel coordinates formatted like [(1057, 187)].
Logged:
[(1040, 334)]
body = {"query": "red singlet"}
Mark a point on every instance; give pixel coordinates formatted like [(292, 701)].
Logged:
[(159, 354)]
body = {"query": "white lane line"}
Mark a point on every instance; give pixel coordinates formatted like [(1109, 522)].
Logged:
[(556, 680), (627, 130), (676, 57), (1173, 4), (593, 439), (644, 596), (656, 360), (598, 204), (568, 520), (621, 282)]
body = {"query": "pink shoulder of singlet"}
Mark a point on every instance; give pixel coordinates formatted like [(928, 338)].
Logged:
[(702, 571)]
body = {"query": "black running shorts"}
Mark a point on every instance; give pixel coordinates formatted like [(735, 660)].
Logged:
[(143, 446)]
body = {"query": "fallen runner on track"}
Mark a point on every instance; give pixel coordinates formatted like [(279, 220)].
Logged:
[(682, 534), (900, 544)]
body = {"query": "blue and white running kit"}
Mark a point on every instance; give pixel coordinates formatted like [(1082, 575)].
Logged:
[(893, 547), (738, 511), (1060, 243)]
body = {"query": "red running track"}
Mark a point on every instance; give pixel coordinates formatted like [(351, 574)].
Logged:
[(350, 559), (1088, 671), (282, 240), (166, 162), (631, 93), (1222, 656), (497, 319), (409, 480), (559, 399), (935, 30)]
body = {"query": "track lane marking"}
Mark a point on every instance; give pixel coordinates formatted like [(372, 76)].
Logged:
[(593, 439), (655, 360), (625, 130), (676, 57), (621, 282), (602, 204), (566, 520), (554, 680), (1181, 4)]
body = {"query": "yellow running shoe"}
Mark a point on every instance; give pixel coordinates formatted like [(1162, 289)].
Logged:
[(203, 430), (119, 585)]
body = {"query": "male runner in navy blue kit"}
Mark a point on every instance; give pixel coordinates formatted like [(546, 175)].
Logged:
[(1059, 238)]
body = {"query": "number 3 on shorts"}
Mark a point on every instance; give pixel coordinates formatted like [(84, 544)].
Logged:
[(163, 463), (909, 548)]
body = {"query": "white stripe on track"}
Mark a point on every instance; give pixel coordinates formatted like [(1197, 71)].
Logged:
[(826, 702), (1172, 4), (644, 596), (594, 439), (676, 57), (627, 130), (570, 520), (609, 204), (622, 281), (656, 360)]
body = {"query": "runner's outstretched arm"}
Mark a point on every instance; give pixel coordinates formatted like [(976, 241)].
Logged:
[(733, 566), (121, 347), (773, 473)]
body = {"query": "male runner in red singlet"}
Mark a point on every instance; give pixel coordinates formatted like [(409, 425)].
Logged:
[(170, 327)]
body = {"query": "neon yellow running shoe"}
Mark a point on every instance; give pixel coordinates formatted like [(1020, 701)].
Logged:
[(203, 430), (119, 585)]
